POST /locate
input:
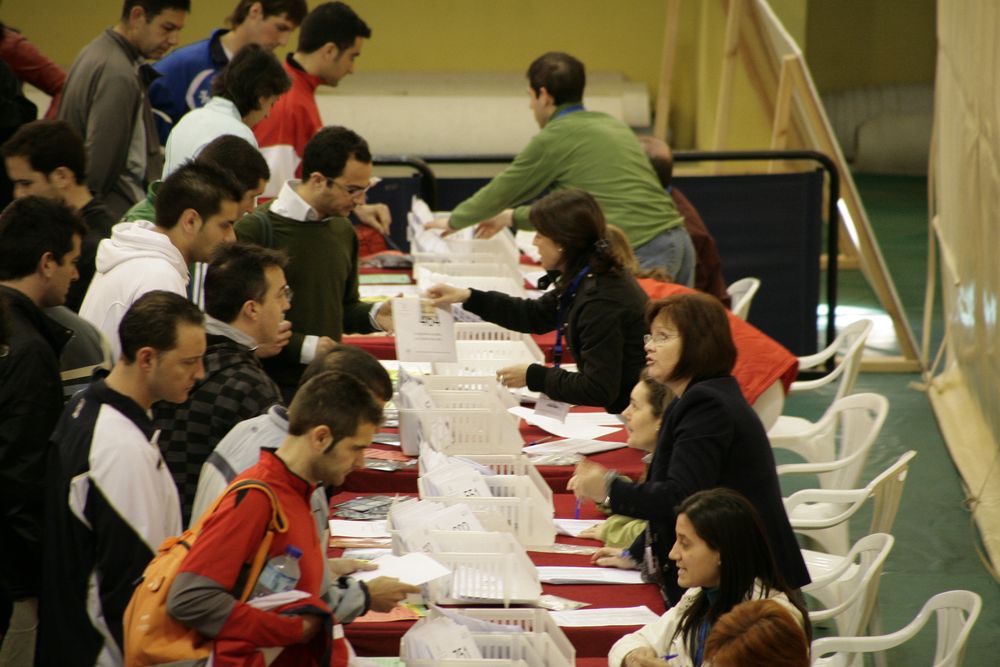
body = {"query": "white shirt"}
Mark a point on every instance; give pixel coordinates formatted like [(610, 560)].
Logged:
[(199, 127)]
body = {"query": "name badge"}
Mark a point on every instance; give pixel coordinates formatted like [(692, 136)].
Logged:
[(546, 407)]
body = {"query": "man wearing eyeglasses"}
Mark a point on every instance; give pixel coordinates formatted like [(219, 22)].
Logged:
[(308, 220), (246, 297)]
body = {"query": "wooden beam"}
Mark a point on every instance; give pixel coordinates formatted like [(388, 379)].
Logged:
[(730, 59), (661, 121), (782, 111)]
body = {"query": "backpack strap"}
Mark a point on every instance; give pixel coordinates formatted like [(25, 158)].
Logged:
[(277, 524)]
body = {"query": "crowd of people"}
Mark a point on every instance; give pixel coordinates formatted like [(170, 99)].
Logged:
[(164, 336)]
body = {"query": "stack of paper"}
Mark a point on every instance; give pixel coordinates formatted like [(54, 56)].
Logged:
[(588, 575), (582, 446), (576, 425), (598, 618), (439, 639), (413, 568)]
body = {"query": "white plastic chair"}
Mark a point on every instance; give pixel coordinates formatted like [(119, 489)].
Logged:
[(842, 439), (955, 611), (787, 430), (822, 514), (847, 586), (770, 403), (741, 294)]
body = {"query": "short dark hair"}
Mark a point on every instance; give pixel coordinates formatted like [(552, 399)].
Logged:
[(31, 227), (328, 151), (561, 74), (757, 632), (659, 394), (48, 145), (337, 400), (196, 185), (154, 7), (707, 348), (331, 22), (353, 361), (730, 524), (574, 220), (253, 73), (239, 157), (152, 321), (236, 275), (294, 10)]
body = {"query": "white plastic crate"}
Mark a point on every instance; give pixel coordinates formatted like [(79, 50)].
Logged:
[(555, 651), (486, 568), (462, 423), (486, 276), (523, 498), (506, 650), (498, 249)]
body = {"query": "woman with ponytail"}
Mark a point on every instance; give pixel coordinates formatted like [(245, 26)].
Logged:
[(722, 558), (596, 307)]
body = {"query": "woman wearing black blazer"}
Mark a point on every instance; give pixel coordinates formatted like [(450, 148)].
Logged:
[(710, 437), (596, 307)]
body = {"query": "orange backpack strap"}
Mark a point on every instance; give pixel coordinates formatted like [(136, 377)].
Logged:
[(277, 524)]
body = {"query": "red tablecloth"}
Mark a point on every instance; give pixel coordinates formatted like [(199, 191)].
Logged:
[(379, 639), (626, 460), (383, 346)]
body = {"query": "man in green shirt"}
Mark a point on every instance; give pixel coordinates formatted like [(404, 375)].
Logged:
[(587, 150), (308, 220)]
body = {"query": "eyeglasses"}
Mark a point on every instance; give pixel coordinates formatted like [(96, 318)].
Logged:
[(355, 191), (286, 292), (659, 339)]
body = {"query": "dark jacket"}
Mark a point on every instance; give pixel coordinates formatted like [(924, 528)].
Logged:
[(604, 326), (30, 402), (235, 387), (710, 437)]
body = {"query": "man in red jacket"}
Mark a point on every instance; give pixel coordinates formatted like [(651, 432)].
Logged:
[(330, 423)]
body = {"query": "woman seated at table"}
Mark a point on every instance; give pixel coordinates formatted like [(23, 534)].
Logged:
[(710, 437), (757, 632), (643, 418), (764, 368), (723, 558), (596, 305)]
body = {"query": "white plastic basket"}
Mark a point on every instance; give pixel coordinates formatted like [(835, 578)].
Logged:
[(498, 249), (485, 276), (520, 495), (556, 649), (506, 650), (462, 422), (486, 568)]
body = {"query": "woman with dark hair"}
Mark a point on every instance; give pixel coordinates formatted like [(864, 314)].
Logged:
[(757, 632), (643, 418), (242, 96), (723, 558), (596, 305), (710, 437)]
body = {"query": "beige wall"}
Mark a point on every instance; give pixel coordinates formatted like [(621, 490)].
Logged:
[(849, 42)]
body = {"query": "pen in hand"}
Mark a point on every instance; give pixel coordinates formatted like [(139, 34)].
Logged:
[(579, 503)]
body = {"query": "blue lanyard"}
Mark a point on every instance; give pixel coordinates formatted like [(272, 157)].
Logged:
[(568, 110), (702, 636), (564, 303)]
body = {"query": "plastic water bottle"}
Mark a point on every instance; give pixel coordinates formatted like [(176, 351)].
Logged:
[(280, 574)]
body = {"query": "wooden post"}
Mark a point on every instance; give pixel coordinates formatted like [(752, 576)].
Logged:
[(661, 121), (729, 60), (782, 110)]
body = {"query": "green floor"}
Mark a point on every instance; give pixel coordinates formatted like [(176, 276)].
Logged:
[(935, 539)]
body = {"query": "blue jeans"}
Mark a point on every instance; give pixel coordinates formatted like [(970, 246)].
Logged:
[(671, 250)]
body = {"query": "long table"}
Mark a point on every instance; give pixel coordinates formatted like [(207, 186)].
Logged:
[(626, 460), (380, 639)]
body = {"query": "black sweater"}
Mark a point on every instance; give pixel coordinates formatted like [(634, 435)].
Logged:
[(710, 437), (604, 329)]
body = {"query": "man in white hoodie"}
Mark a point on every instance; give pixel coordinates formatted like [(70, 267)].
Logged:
[(195, 211)]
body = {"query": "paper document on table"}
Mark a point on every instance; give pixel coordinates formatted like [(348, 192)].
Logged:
[(588, 575), (440, 639), (342, 528), (387, 291), (573, 446), (413, 568), (423, 332), (602, 418), (596, 618), (571, 428), (574, 527)]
